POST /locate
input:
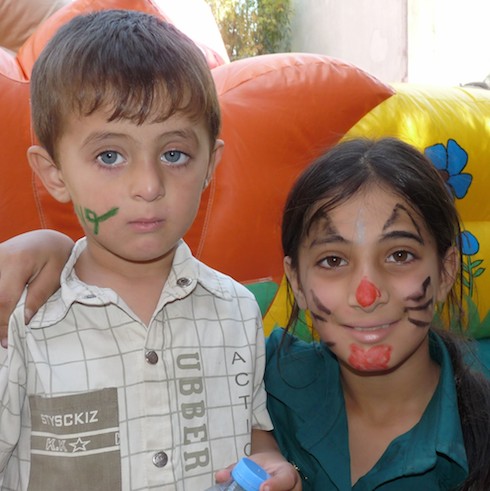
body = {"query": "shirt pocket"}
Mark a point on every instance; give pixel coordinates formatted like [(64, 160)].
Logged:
[(75, 442)]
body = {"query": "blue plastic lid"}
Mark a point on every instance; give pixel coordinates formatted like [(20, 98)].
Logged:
[(249, 475)]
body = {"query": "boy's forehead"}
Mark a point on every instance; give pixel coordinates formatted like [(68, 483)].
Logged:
[(94, 133), (109, 112)]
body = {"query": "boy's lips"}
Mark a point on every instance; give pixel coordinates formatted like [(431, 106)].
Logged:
[(146, 224)]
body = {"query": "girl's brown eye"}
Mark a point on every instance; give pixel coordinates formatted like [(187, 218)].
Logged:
[(401, 256), (332, 262)]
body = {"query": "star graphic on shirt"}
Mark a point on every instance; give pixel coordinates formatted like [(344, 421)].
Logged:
[(79, 445)]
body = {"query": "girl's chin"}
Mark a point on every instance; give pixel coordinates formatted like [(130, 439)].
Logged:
[(372, 359)]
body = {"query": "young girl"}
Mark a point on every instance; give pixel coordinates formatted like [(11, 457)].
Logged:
[(385, 400)]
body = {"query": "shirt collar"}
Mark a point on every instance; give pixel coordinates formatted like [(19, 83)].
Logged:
[(184, 276), (187, 272)]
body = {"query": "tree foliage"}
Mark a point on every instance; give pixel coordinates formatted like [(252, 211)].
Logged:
[(253, 27)]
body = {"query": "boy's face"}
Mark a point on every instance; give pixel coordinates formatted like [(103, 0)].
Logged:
[(135, 188)]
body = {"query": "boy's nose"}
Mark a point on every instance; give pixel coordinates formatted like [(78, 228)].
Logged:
[(147, 181)]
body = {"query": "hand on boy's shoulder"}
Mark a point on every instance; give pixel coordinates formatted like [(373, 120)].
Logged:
[(16, 270), (35, 259)]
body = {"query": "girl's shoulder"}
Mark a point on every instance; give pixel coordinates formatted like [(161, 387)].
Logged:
[(283, 344), (297, 363)]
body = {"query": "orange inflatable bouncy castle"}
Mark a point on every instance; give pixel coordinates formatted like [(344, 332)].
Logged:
[(279, 112)]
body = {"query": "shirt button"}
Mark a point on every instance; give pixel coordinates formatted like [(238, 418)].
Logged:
[(184, 281), (151, 357), (160, 459)]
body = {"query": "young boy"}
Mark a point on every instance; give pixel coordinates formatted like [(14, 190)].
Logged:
[(144, 371)]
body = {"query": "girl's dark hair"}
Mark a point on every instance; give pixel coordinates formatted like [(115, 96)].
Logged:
[(390, 163)]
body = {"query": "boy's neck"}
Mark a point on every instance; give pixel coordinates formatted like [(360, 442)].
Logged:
[(138, 284)]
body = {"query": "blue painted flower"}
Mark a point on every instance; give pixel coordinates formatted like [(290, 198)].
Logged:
[(469, 243), (472, 268), (451, 161)]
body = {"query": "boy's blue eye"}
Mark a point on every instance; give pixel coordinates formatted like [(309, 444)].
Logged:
[(109, 157), (175, 157)]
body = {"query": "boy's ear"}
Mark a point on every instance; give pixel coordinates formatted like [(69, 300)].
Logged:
[(214, 160), (292, 276), (49, 173), (449, 272)]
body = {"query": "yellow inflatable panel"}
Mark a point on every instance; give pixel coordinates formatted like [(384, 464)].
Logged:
[(451, 125)]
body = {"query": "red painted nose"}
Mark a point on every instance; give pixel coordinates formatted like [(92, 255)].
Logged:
[(366, 293)]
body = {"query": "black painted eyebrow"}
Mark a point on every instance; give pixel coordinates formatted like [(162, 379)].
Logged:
[(329, 233), (402, 234), (328, 239)]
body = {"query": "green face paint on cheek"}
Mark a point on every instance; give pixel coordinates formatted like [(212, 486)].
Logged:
[(88, 216)]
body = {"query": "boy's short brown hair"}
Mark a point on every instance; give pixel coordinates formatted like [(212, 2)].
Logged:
[(132, 64)]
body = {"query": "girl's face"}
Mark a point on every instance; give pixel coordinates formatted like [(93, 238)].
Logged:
[(370, 276)]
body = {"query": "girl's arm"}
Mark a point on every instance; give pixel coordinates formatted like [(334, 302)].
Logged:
[(34, 259)]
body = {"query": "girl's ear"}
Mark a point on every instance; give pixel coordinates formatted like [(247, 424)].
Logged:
[(449, 272), (292, 276), (49, 173)]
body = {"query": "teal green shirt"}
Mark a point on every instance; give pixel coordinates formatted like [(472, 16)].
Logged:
[(307, 407)]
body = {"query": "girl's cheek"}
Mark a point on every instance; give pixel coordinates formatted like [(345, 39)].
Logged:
[(420, 304), (411, 290), (319, 309), (320, 304)]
